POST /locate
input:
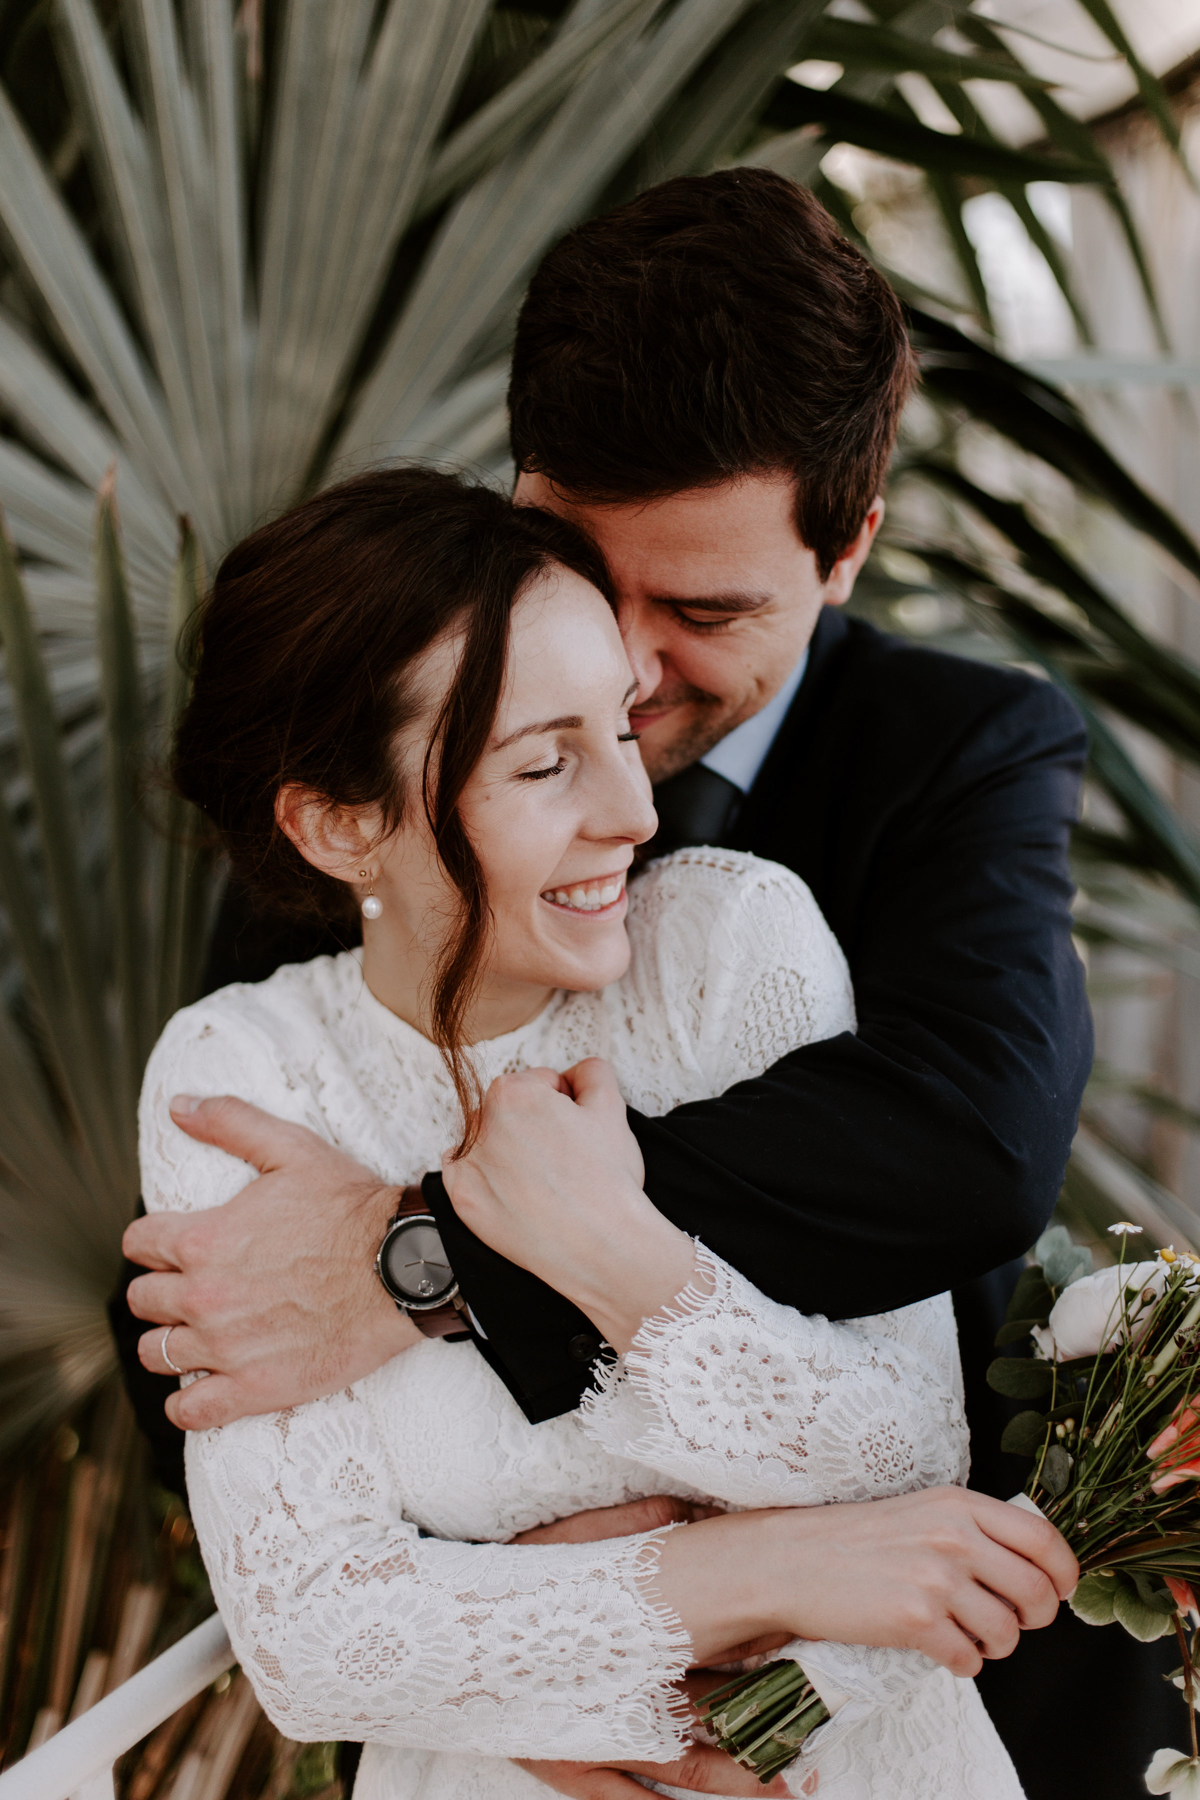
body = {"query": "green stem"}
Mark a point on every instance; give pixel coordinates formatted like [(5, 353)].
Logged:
[(1189, 1689)]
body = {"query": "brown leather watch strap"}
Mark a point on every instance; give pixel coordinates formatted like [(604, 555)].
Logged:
[(450, 1320)]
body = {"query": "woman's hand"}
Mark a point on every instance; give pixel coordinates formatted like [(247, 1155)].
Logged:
[(554, 1183), (953, 1574)]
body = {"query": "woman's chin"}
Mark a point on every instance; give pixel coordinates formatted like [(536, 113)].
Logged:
[(582, 968)]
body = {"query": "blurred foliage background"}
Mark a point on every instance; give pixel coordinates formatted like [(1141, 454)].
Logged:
[(245, 248)]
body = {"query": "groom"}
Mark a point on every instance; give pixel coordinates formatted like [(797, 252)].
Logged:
[(708, 380)]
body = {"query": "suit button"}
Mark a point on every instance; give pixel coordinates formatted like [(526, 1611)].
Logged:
[(584, 1348)]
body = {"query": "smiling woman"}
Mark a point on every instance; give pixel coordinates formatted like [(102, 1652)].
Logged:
[(368, 722)]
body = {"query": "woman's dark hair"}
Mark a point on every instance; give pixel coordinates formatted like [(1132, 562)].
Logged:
[(301, 658), (718, 325)]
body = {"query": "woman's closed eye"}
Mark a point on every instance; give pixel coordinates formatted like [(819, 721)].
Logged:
[(541, 774), (623, 737)]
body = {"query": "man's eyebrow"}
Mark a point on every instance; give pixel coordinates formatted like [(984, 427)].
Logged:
[(722, 603), (571, 722)]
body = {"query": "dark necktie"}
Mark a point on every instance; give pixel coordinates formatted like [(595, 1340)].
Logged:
[(697, 806)]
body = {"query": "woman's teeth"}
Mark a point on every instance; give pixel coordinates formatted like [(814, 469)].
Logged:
[(589, 899)]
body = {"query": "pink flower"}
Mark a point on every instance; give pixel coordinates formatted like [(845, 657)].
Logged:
[(1177, 1448), (1181, 1594)]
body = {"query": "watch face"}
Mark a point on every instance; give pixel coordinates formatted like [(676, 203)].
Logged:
[(414, 1265)]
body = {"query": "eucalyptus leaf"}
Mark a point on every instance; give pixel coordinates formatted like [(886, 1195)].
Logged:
[(1055, 1472), (1014, 1331), (1020, 1378), (1024, 1435), (1031, 1297), (1063, 1261)]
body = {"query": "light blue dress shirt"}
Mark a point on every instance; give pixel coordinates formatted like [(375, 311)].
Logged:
[(742, 754)]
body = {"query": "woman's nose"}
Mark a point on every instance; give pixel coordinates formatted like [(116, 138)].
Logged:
[(638, 819)]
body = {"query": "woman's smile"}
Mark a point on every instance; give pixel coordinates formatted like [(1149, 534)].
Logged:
[(600, 896)]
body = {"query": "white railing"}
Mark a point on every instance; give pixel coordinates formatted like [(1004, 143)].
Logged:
[(78, 1760)]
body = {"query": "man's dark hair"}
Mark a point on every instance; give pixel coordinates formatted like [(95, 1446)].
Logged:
[(716, 326)]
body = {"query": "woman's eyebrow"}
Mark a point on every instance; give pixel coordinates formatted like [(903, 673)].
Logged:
[(571, 722)]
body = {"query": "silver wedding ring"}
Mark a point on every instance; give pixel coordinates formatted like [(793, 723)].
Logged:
[(165, 1357)]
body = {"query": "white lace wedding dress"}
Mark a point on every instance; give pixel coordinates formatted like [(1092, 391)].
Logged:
[(357, 1545)]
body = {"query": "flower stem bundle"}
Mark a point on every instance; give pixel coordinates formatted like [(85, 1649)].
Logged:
[(763, 1718)]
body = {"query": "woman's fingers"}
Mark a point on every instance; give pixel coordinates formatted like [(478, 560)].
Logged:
[(1021, 1584), (1034, 1539), (994, 1627), (948, 1644)]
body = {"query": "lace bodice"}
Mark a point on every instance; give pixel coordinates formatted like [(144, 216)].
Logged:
[(357, 1545)]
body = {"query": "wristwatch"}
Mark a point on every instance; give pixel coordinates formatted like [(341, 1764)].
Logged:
[(414, 1268)]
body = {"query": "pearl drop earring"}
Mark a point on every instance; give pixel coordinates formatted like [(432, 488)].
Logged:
[(371, 907)]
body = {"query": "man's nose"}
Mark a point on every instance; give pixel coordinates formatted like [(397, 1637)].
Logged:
[(637, 622)]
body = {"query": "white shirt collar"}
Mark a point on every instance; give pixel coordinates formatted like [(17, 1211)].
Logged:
[(741, 755)]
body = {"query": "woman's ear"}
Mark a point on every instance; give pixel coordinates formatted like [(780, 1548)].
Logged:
[(336, 840)]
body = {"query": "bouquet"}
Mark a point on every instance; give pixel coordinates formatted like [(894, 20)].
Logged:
[(1112, 1430), (1114, 1438)]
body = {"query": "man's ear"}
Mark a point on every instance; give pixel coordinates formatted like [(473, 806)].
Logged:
[(336, 840), (840, 585)]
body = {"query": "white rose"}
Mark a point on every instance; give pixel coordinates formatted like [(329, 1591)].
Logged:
[(1086, 1317)]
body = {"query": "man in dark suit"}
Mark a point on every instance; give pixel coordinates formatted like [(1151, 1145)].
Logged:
[(709, 381)]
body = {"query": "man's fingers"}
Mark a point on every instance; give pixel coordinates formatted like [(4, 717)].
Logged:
[(184, 1348), (152, 1241), (708, 1771), (583, 1781), (204, 1405), (246, 1131), (158, 1298), (704, 1676), (701, 1769), (627, 1520)]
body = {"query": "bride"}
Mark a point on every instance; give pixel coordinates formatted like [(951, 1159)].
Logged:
[(412, 699)]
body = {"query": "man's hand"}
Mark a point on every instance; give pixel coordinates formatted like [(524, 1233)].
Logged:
[(553, 1182), (274, 1293), (600, 1523), (703, 1770)]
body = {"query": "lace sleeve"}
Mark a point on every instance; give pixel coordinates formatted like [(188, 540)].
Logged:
[(348, 1621), (350, 1624), (758, 1405)]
